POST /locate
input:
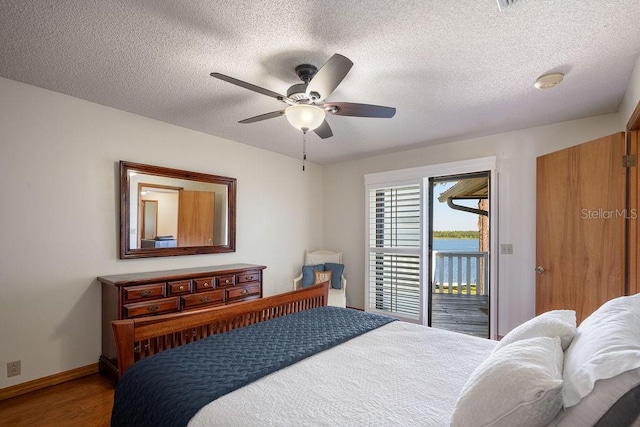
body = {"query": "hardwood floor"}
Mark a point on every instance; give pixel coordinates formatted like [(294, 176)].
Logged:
[(83, 402)]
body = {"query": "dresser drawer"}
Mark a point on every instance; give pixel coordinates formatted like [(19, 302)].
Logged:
[(148, 308), (242, 292), (249, 276), (204, 284), (203, 298), (142, 292), (170, 292), (179, 287), (226, 281)]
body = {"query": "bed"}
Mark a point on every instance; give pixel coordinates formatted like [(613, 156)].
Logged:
[(291, 360)]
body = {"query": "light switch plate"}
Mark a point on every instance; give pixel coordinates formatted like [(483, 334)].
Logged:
[(506, 249)]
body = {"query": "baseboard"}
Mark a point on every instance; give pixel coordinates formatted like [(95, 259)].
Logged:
[(354, 308), (40, 383)]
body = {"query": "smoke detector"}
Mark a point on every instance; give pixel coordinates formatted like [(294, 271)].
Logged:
[(503, 4), (548, 81)]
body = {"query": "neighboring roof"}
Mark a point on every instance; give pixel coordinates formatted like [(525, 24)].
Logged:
[(454, 70), (468, 188)]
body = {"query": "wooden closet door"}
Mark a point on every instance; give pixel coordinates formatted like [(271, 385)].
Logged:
[(580, 226), (195, 218)]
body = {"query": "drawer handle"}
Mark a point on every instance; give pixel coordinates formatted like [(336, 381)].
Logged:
[(181, 288), (146, 292), (244, 291), (227, 281), (153, 308), (206, 285), (204, 299), (248, 278)]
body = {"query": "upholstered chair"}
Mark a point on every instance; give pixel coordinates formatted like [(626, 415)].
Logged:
[(323, 260)]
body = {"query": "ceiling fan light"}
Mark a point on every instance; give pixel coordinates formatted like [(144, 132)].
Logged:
[(305, 117)]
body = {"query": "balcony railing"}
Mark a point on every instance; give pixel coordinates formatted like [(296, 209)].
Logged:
[(460, 272)]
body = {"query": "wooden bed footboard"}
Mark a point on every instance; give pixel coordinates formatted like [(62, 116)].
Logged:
[(143, 337)]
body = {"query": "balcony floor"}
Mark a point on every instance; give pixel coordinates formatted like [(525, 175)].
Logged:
[(461, 313)]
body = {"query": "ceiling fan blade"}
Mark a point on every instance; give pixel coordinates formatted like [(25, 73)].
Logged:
[(324, 130), (360, 110), (264, 116), (249, 86), (328, 77)]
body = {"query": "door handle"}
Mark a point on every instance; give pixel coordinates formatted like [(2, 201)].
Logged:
[(539, 269)]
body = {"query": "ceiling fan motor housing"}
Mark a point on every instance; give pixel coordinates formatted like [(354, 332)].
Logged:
[(298, 92), (306, 72)]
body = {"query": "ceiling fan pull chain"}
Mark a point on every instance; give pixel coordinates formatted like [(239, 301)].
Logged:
[(304, 149)]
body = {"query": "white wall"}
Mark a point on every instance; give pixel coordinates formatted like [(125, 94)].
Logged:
[(631, 96), (59, 217), (516, 153)]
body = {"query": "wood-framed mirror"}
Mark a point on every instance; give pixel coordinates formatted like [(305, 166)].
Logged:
[(169, 212)]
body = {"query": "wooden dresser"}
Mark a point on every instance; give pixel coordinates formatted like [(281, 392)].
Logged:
[(126, 296)]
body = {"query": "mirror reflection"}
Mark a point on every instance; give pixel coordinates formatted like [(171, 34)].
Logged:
[(174, 212), (149, 224)]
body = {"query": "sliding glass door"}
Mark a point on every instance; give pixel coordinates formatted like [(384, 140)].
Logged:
[(458, 230), (428, 245)]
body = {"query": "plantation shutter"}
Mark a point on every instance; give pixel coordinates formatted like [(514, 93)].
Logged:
[(394, 250)]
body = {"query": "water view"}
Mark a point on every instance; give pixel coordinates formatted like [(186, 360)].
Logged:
[(456, 244)]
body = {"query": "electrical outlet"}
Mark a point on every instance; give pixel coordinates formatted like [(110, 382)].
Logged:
[(13, 368)]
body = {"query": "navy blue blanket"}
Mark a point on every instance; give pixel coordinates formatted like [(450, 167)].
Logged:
[(168, 388)]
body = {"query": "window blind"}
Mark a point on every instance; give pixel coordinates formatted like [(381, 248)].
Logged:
[(394, 250)]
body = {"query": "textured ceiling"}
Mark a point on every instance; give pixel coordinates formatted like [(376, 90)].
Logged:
[(453, 70)]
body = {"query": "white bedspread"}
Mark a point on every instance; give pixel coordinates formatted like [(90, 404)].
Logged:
[(399, 374)]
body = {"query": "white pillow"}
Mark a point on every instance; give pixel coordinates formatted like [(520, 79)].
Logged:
[(555, 323), (594, 405), (606, 344), (519, 385)]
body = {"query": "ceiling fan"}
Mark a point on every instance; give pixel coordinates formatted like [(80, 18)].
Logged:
[(307, 107)]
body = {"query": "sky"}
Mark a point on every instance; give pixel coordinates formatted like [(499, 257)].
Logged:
[(446, 219)]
